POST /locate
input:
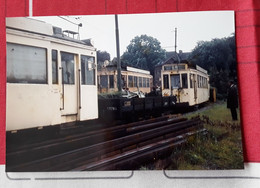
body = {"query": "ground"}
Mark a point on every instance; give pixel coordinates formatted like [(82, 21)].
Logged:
[(221, 148)]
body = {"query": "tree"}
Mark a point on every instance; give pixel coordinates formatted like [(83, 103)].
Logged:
[(102, 56), (144, 52), (218, 56)]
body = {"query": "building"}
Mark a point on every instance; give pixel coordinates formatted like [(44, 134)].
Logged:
[(170, 58)]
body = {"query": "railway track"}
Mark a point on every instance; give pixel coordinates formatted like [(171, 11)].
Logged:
[(117, 147)]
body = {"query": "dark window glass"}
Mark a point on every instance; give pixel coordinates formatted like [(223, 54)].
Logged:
[(130, 81), (181, 67), (144, 82), (68, 65), (87, 70), (191, 80), (167, 67), (166, 81), (54, 56), (184, 81), (26, 64), (111, 81), (201, 82), (124, 81), (198, 81), (135, 81), (175, 81), (140, 82), (103, 81), (147, 82)]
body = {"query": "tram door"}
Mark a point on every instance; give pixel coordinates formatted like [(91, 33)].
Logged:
[(88, 89), (69, 106)]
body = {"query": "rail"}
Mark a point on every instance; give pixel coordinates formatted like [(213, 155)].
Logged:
[(137, 140)]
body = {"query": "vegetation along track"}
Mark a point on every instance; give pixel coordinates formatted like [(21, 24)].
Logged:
[(117, 147)]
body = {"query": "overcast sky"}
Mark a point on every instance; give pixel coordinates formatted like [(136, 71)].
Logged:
[(191, 28)]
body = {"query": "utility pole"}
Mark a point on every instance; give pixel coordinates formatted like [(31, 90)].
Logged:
[(175, 46), (119, 84)]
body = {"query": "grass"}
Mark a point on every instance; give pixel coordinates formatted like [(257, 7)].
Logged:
[(220, 149), (215, 112)]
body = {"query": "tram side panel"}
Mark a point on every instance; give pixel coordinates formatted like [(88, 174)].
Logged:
[(41, 104), (203, 88), (28, 104)]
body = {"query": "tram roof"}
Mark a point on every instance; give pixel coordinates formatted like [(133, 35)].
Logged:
[(40, 27)]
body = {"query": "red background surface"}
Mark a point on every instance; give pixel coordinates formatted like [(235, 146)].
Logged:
[(247, 15)]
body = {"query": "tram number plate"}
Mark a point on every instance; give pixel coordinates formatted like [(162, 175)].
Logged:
[(127, 103), (112, 108)]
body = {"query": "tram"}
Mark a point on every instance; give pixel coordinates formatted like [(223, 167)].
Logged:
[(51, 77), (190, 84)]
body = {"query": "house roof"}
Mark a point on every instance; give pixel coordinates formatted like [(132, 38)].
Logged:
[(172, 58)]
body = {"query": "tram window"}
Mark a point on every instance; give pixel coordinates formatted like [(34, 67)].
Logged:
[(87, 70), (181, 67), (130, 81), (199, 81), (111, 81), (54, 56), (205, 82), (140, 82), (166, 81), (144, 82), (167, 67), (147, 82), (67, 63), (175, 80), (184, 80), (103, 81), (26, 64), (124, 80), (191, 80), (135, 81)]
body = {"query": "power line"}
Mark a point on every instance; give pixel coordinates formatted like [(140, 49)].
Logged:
[(70, 21)]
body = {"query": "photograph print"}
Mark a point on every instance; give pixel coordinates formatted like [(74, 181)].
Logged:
[(122, 92)]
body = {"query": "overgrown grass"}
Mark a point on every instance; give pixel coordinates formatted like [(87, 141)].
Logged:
[(221, 148), (215, 112)]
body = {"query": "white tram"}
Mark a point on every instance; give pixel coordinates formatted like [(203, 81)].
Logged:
[(188, 83), (51, 78), (132, 78)]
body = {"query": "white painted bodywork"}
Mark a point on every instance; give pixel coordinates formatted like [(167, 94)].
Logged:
[(130, 71), (37, 105), (194, 95)]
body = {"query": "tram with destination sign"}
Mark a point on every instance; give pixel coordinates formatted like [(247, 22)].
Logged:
[(190, 84)]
